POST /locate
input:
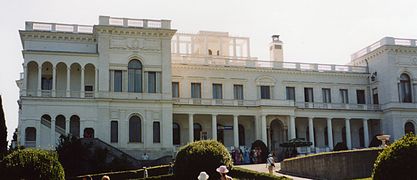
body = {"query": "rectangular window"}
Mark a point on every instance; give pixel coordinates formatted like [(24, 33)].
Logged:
[(375, 96), (156, 132), (118, 81), (238, 91), (344, 96), (195, 90), (360, 96), (114, 132), (151, 82), (265, 92), (175, 89), (290, 93), (308, 95), (217, 91), (327, 98)]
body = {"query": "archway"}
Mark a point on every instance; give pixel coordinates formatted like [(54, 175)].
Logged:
[(220, 133), (30, 137), (409, 128), (88, 133), (277, 135)]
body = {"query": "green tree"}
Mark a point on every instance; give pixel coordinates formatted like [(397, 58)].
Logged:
[(3, 131), (31, 164), (397, 161), (200, 156)]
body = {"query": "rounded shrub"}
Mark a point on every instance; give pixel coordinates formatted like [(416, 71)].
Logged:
[(397, 161), (32, 164), (200, 156)]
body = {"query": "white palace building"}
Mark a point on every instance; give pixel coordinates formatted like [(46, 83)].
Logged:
[(141, 86)]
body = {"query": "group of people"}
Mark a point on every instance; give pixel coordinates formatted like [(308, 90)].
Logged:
[(222, 170), (241, 155)]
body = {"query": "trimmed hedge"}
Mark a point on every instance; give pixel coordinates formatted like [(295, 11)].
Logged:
[(31, 164), (156, 171), (397, 161), (242, 173), (206, 155)]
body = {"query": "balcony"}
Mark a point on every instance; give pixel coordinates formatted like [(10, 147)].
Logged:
[(253, 63), (315, 105), (232, 102)]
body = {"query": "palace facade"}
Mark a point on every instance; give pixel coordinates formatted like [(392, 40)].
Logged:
[(141, 86)]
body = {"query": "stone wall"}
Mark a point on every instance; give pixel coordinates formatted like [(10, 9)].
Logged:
[(334, 165)]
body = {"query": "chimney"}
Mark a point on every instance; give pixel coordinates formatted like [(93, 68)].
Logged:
[(276, 49)]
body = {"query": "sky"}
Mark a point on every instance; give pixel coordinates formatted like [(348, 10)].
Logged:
[(319, 31)]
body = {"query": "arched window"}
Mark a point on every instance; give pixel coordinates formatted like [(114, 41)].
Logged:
[(60, 122), (30, 137), (409, 128), (241, 135), (210, 52), (75, 125), (88, 133), (135, 76), (405, 88), (46, 117), (135, 129), (218, 53), (197, 131), (176, 134)]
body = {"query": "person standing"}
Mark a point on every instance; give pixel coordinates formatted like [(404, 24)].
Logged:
[(223, 171), (270, 163)]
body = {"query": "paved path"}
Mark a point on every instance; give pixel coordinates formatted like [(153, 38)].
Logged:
[(262, 168)]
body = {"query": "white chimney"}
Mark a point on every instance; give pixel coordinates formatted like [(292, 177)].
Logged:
[(276, 49)]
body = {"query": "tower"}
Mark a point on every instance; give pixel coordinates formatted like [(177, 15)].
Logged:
[(275, 49)]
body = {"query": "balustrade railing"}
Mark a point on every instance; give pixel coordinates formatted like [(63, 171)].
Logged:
[(58, 27), (382, 42), (250, 63)]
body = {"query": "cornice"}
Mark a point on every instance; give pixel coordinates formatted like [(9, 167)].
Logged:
[(61, 53), (135, 31), (267, 70), (57, 36)]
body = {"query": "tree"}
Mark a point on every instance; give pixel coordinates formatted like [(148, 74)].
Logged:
[(3, 131), (206, 155), (397, 161), (31, 164)]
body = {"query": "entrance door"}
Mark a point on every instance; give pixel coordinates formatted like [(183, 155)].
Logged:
[(277, 135)]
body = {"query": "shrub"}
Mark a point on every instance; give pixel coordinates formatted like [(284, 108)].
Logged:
[(32, 164), (397, 161), (200, 156), (260, 144), (241, 173)]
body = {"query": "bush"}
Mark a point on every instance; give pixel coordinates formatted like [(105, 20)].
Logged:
[(340, 147), (397, 161), (200, 156), (32, 164), (241, 173), (264, 149)]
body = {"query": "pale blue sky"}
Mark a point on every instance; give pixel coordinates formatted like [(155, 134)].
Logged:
[(322, 31)]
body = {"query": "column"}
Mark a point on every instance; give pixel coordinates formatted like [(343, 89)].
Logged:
[(67, 126), (68, 82), (214, 127), (39, 81), (53, 81), (96, 83), (292, 127), (263, 129), (348, 137), (234, 47), (330, 133), (365, 132), (82, 83), (25, 80), (53, 136), (235, 131), (191, 127), (311, 131)]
